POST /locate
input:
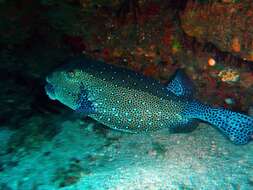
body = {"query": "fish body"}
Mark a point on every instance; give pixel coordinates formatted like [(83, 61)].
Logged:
[(128, 101)]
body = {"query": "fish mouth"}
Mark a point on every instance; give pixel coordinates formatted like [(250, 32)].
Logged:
[(50, 90)]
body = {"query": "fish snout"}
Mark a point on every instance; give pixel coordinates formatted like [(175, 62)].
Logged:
[(50, 90)]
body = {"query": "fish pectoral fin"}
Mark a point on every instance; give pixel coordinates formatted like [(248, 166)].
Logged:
[(181, 85), (84, 105)]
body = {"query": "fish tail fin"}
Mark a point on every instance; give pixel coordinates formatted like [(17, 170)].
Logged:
[(236, 126)]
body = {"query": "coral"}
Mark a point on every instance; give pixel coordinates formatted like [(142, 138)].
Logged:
[(176, 46), (150, 70), (211, 62), (229, 75), (235, 45)]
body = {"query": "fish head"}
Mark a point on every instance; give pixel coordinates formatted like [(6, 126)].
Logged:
[(64, 86)]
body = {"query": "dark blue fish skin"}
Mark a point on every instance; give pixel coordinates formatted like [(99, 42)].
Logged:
[(128, 101), (118, 76)]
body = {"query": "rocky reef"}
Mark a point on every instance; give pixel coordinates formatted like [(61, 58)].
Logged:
[(151, 37), (226, 24)]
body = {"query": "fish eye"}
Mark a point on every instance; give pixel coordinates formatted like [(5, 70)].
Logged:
[(70, 74), (74, 73)]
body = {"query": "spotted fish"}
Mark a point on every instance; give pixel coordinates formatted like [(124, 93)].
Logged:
[(128, 101)]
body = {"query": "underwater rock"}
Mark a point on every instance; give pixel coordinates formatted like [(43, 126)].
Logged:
[(229, 26), (246, 79), (71, 175), (250, 111), (4, 186), (250, 181), (32, 134), (5, 135)]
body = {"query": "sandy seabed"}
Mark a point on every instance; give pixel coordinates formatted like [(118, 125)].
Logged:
[(80, 158)]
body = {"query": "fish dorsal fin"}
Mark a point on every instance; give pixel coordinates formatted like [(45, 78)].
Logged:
[(181, 85)]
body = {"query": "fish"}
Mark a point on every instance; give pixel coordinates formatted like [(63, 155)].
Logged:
[(129, 101)]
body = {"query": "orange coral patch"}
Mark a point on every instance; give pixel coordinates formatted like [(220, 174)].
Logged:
[(236, 46)]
